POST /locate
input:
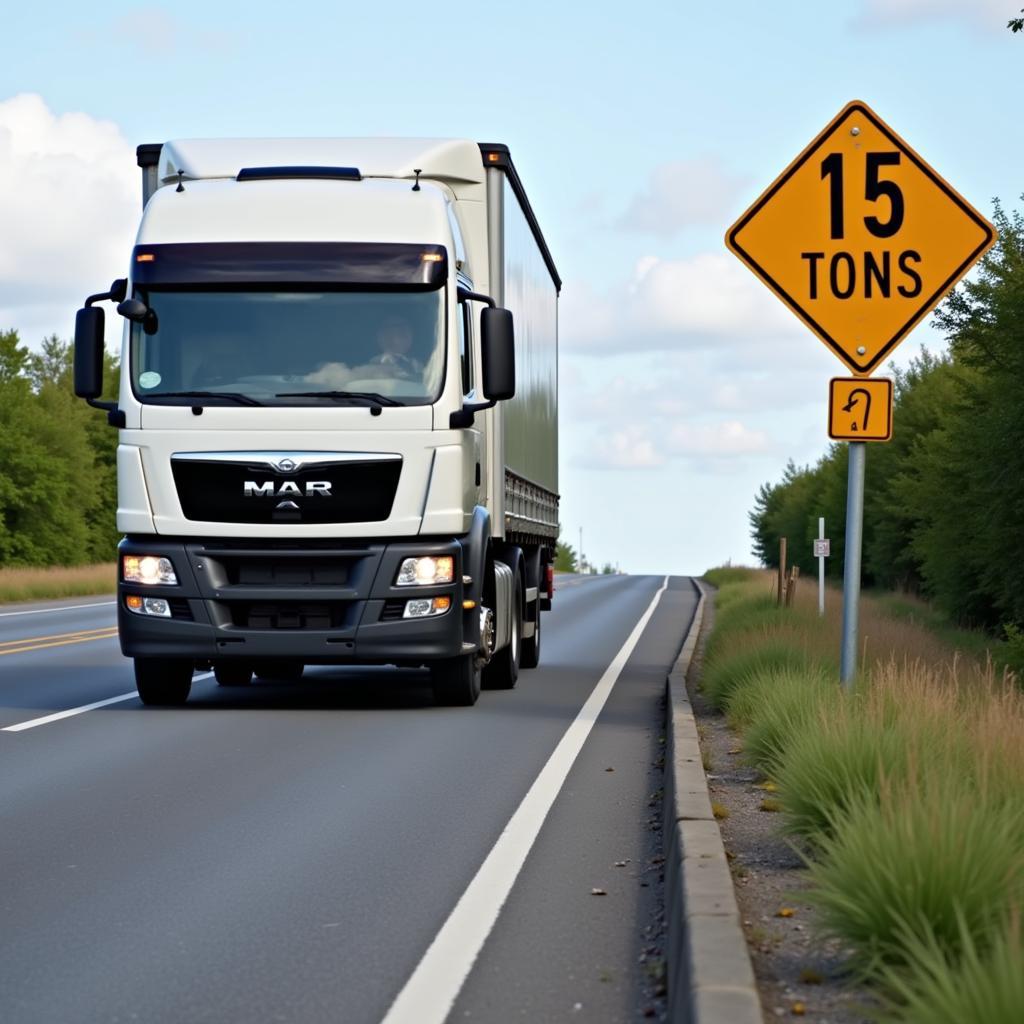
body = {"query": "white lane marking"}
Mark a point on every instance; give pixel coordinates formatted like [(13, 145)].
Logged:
[(59, 608), (431, 991), (71, 712)]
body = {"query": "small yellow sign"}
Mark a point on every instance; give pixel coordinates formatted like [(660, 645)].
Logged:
[(860, 237), (860, 409)]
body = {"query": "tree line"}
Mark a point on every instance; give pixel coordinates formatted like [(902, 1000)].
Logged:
[(944, 499), (58, 475)]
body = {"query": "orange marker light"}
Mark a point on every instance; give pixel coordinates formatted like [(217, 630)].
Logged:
[(442, 604), (134, 602), (469, 605), (492, 157), (432, 257), (145, 257)]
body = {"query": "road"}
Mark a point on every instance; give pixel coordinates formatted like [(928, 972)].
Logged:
[(336, 849)]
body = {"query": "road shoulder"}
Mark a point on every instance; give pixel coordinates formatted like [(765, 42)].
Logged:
[(711, 980)]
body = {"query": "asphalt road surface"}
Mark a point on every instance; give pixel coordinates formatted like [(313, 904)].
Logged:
[(337, 849)]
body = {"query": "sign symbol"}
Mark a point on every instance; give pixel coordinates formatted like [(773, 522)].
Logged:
[(860, 408), (286, 465), (853, 401)]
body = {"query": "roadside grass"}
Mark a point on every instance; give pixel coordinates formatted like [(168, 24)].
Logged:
[(32, 584), (929, 860), (776, 705), (904, 795), (935, 988)]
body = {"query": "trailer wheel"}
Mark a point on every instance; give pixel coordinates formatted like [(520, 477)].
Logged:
[(502, 671), (456, 681), (280, 670), (163, 682), (530, 657)]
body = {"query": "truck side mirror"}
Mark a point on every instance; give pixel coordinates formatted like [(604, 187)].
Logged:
[(497, 341), (89, 352)]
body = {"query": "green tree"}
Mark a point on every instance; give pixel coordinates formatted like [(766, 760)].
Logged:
[(970, 543), (57, 482), (565, 558)]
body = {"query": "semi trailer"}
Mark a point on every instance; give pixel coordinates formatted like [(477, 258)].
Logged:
[(337, 415)]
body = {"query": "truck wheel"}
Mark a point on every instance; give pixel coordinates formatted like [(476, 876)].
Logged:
[(502, 671), (163, 682), (530, 657), (280, 670), (456, 681)]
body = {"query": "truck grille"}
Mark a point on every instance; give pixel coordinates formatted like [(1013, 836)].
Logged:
[(294, 615), (221, 491)]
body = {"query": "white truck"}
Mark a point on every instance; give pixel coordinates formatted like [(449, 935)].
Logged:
[(332, 450)]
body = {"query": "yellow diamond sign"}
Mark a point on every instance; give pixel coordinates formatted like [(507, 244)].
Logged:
[(860, 237)]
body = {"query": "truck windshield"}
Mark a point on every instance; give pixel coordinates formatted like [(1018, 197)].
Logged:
[(289, 347)]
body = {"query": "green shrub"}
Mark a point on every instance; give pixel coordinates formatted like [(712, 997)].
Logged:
[(735, 664), (724, 575), (981, 987), (932, 862), (776, 707), (858, 742)]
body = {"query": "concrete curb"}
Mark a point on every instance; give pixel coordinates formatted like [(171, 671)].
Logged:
[(709, 975)]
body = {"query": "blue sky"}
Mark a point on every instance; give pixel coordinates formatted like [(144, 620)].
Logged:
[(640, 132)]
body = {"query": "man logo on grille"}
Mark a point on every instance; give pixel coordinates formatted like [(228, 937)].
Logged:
[(288, 489)]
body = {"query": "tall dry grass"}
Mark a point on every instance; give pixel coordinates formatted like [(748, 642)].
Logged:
[(32, 584), (907, 792), (882, 636)]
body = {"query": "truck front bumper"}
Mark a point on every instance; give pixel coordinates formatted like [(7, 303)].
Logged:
[(321, 603)]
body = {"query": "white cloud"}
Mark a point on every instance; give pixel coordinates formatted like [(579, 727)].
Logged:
[(148, 30), (69, 203), (703, 301), (682, 194), (880, 14), (726, 439), (629, 448)]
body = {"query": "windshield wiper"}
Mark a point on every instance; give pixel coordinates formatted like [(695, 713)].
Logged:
[(230, 395), (369, 396)]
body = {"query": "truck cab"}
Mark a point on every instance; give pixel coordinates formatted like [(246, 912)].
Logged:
[(337, 413)]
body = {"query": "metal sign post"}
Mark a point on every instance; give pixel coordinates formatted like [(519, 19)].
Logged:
[(821, 550), (851, 565)]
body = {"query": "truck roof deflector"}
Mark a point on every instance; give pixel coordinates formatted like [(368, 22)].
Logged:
[(330, 173)]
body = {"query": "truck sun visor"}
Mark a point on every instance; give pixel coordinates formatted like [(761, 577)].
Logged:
[(309, 264), (330, 173)]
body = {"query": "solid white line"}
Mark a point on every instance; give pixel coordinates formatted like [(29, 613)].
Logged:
[(430, 992), (58, 608), (71, 712)]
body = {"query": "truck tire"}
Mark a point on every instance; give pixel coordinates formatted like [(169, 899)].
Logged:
[(286, 670), (456, 681), (163, 682), (502, 671), (232, 673), (530, 658)]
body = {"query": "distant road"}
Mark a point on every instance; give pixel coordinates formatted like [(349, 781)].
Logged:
[(293, 853)]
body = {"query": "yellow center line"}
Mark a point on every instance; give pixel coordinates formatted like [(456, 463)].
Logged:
[(32, 645), (56, 636)]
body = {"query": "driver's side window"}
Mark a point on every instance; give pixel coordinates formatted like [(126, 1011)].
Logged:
[(466, 347)]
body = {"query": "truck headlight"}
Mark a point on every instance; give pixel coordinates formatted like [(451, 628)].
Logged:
[(426, 571), (149, 569)]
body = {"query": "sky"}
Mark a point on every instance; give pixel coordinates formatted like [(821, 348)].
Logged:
[(640, 132)]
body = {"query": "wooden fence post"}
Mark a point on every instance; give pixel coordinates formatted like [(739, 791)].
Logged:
[(782, 571)]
